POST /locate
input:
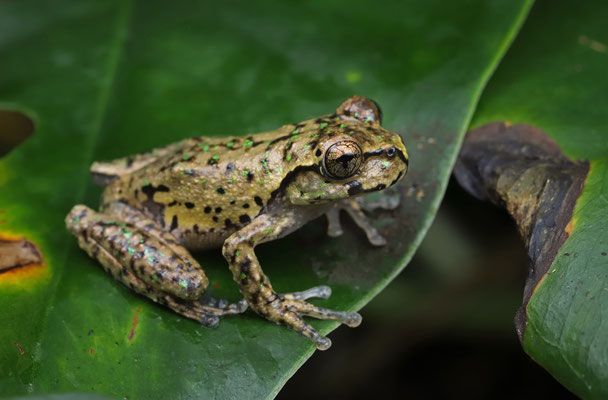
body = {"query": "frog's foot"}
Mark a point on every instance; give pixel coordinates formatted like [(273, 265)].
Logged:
[(354, 208), (290, 312), (207, 314)]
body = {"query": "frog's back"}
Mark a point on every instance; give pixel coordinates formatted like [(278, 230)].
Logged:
[(201, 189)]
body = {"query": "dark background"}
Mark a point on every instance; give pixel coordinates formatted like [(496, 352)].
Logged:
[(444, 327)]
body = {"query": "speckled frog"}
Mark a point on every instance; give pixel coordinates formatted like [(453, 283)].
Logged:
[(238, 192)]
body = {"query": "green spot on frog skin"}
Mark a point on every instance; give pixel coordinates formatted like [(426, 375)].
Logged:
[(243, 276), (385, 163), (248, 143), (216, 157), (288, 157), (323, 125), (296, 131), (203, 181), (316, 135), (269, 230), (342, 125), (131, 250), (230, 180), (155, 277), (216, 147), (229, 144), (379, 137), (146, 183), (152, 259), (183, 284), (236, 253), (305, 148), (206, 147), (186, 157)]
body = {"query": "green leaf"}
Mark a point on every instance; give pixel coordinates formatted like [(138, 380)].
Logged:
[(105, 79), (554, 78)]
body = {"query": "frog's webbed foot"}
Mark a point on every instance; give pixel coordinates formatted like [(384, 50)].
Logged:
[(148, 260), (355, 208)]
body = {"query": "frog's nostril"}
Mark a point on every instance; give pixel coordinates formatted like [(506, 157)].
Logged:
[(390, 152)]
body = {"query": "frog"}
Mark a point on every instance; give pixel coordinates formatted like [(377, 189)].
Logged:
[(235, 193)]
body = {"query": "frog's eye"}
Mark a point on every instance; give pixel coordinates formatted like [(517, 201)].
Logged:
[(343, 159)]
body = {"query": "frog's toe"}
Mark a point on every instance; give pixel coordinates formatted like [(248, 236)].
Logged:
[(334, 228), (321, 342), (242, 305), (209, 321), (385, 202), (351, 319), (320, 292)]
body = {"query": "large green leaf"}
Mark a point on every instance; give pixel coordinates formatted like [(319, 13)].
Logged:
[(105, 79), (555, 78)]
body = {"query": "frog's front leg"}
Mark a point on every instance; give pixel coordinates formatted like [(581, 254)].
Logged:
[(285, 309), (355, 208), (140, 255)]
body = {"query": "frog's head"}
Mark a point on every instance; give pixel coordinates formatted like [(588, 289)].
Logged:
[(354, 155)]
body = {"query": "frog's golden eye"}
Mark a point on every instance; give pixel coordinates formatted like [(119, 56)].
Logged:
[(343, 159)]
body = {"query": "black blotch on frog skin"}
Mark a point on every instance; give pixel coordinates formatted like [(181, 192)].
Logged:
[(218, 210), (246, 205), (173, 223), (154, 208), (215, 219), (258, 201), (286, 149), (244, 219), (207, 210), (220, 190), (396, 179), (228, 224), (378, 187), (249, 176), (318, 153), (189, 205), (230, 167), (354, 188), (174, 202), (245, 266)]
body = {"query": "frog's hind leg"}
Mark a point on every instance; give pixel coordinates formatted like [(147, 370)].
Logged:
[(355, 208), (148, 260)]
